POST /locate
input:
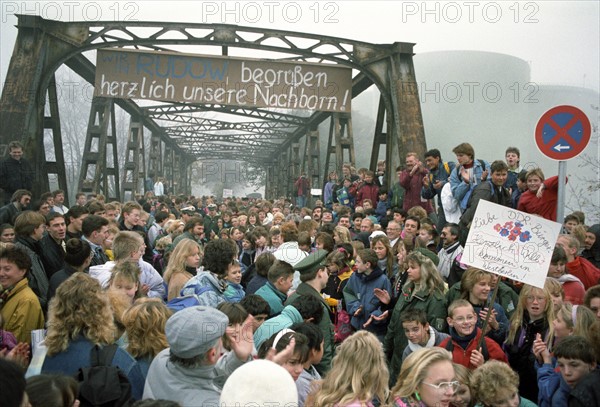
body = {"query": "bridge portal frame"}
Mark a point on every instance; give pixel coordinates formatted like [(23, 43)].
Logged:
[(42, 46)]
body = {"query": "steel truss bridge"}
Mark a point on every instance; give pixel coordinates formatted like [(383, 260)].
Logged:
[(180, 134)]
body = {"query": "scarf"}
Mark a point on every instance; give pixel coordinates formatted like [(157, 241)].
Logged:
[(430, 343), (4, 294), (463, 341)]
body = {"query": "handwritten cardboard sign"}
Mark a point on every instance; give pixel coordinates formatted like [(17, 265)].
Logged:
[(188, 78), (511, 243)]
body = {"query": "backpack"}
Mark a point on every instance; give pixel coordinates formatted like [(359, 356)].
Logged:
[(446, 168), (342, 327), (101, 384), (186, 301)]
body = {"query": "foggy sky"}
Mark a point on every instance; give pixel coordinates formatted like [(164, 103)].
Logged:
[(560, 39)]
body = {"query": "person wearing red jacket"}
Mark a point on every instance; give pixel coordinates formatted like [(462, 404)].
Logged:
[(464, 338), (302, 186), (411, 179), (369, 190), (577, 265), (541, 196), (572, 286)]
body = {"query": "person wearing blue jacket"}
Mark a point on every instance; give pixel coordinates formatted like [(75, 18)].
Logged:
[(234, 291), (383, 205), (434, 181), (468, 173), (575, 360), (359, 293)]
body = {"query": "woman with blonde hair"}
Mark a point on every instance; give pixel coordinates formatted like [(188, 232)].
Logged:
[(423, 290), (183, 265), (341, 234), (533, 316), (427, 379), (349, 383), (80, 323), (463, 397), (145, 327), (571, 320), (174, 228)]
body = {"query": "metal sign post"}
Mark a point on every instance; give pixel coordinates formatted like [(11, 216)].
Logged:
[(560, 203)]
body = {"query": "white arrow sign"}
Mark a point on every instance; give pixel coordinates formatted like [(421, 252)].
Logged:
[(559, 147)]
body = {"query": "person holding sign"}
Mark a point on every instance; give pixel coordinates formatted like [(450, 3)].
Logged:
[(465, 336), (475, 288)]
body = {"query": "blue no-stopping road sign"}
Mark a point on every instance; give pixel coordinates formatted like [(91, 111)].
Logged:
[(563, 132)]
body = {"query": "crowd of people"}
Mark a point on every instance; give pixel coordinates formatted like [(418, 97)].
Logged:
[(359, 298)]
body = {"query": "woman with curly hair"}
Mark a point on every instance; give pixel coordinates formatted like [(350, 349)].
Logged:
[(183, 265), (423, 290), (348, 383), (145, 327), (341, 234), (496, 384), (79, 319)]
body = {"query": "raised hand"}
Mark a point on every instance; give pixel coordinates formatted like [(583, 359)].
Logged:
[(477, 358), (382, 295)]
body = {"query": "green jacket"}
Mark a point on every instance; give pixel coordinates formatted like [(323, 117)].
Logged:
[(273, 296), (507, 297), (325, 325), (395, 341)]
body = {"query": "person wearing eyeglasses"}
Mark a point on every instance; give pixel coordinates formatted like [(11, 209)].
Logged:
[(464, 338), (427, 379)]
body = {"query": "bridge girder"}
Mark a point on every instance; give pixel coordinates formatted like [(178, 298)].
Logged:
[(388, 66)]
